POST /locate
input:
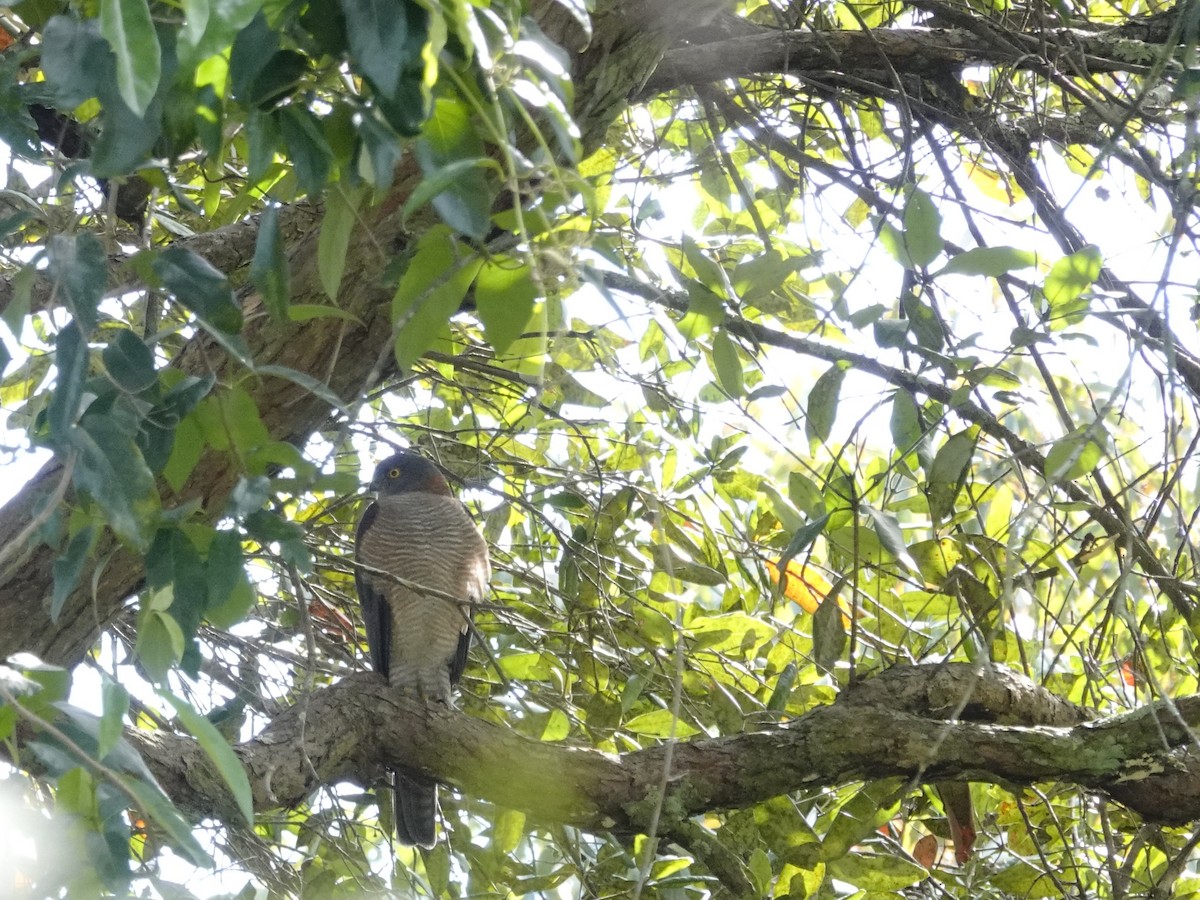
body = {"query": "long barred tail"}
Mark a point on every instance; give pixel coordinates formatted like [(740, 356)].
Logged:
[(416, 808)]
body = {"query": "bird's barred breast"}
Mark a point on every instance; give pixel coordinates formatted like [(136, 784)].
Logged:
[(430, 541)]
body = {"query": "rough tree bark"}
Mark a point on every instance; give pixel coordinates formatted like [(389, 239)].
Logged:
[(1008, 730)]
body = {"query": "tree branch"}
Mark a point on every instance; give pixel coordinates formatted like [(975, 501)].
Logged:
[(908, 51), (351, 730)]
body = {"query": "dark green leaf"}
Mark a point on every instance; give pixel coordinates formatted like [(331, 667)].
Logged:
[(68, 567), (906, 427), (224, 759), (382, 151), (226, 566), (269, 270), (183, 397), (377, 31), (210, 25), (127, 27), (253, 49), (460, 193), (891, 536), (387, 38), (158, 806), (199, 287), (130, 363), (75, 59), (109, 468), (450, 143), (306, 381), (77, 266), (307, 147), (71, 360), (115, 703), (783, 687)]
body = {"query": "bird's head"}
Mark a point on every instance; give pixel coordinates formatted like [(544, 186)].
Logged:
[(406, 472)]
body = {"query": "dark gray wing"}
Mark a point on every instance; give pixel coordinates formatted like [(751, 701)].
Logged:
[(376, 614)]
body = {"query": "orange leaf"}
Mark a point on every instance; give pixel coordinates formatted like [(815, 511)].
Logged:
[(804, 586), (331, 619), (926, 851)]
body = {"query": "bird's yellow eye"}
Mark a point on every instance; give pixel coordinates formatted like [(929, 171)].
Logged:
[(394, 473)]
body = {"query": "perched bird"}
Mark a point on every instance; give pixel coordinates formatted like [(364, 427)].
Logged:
[(416, 530)]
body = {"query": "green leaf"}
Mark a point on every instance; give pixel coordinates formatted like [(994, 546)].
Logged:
[(783, 687), (504, 297), (880, 874), (1077, 454), (306, 381), (68, 567), (429, 292), (160, 643), (508, 830), (115, 703), (158, 806), (269, 270), (130, 363), (891, 536), (219, 751), (467, 209), (75, 59), (109, 468), (200, 287), (387, 41), (992, 261), (948, 471), (127, 27), (235, 607), (211, 25), (823, 404), (341, 214), (907, 431), (1068, 279), (71, 360), (727, 364), (380, 48), (77, 267), (705, 311), (451, 155), (829, 632), (659, 724), (922, 228), (310, 152), (53, 683)]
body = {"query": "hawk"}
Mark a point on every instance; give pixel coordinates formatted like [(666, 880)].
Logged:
[(417, 531)]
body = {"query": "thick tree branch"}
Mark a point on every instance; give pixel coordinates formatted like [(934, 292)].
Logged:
[(907, 51), (351, 730)]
